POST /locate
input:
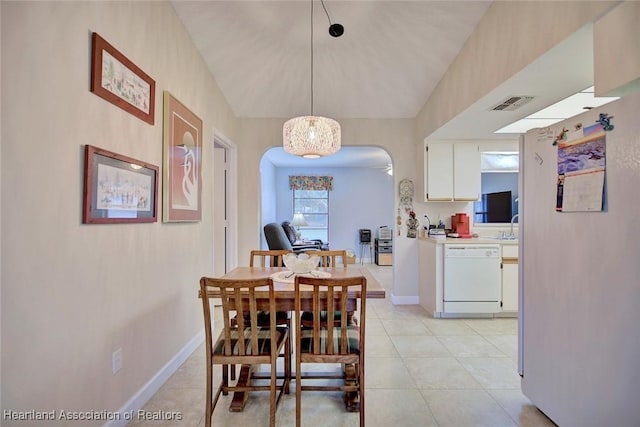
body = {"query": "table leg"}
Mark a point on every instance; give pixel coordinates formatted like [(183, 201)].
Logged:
[(240, 397)]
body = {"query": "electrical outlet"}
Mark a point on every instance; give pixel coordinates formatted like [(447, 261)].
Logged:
[(116, 361)]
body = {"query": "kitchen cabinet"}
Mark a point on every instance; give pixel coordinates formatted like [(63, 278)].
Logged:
[(509, 278), (452, 172)]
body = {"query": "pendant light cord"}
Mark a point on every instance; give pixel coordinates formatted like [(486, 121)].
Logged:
[(325, 11), (312, 57)]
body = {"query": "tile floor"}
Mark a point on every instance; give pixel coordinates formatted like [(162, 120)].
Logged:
[(420, 371)]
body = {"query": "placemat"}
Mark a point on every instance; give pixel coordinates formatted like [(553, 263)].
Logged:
[(289, 276)]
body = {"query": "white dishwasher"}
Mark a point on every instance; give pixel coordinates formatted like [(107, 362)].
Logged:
[(471, 278)]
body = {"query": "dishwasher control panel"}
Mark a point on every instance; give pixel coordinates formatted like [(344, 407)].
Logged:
[(473, 251)]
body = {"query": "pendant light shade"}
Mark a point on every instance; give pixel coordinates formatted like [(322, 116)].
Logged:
[(311, 136)]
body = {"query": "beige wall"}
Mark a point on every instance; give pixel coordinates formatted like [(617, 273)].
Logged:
[(73, 293), (395, 136), (509, 37), (616, 40), (1, 406)]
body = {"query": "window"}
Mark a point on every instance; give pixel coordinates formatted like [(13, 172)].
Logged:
[(499, 200), (314, 205)]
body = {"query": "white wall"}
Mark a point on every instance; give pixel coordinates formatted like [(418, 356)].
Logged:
[(74, 293), (581, 288), (361, 198), (268, 203)]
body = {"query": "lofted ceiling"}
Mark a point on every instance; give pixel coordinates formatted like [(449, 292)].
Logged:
[(386, 64), (389, 60)]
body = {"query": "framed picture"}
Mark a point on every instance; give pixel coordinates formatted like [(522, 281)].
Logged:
[(118, 189), (182, 188), (120, 81)]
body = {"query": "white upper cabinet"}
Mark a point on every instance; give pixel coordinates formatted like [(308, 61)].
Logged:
[(439, 172), (466, 172), (452, 172)]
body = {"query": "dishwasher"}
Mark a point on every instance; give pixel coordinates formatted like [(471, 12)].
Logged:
[(471, 278)]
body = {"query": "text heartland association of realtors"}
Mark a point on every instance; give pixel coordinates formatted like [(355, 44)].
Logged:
[(54, 415)]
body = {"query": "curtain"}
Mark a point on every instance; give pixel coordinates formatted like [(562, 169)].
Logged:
[(311, 182)]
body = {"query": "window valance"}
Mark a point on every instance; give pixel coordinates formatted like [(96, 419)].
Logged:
[(311, 182)]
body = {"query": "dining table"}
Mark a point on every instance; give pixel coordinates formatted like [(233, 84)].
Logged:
[(283, 281)]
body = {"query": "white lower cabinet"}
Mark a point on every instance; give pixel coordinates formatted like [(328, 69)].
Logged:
[(509, 278), (432, 274)]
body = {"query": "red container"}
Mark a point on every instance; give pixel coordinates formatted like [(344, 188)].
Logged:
[(460, 224)]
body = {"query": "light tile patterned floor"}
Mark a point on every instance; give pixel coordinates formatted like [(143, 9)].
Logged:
[(420, 372)]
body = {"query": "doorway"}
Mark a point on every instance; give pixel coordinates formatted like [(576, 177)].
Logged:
[(224, 205), (361, 197)]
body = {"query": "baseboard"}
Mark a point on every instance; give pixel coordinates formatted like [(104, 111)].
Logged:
[(138, 400), (405, 300)]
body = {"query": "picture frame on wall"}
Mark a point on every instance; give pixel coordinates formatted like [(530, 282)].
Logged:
[(182, 159), (118, 189), (118, 80)]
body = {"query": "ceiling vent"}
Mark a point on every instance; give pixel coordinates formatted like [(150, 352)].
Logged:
[(512, 103)]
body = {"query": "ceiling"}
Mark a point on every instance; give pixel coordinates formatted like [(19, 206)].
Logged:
[(386, 65)]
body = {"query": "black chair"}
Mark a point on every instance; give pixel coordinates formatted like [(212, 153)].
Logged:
[(277, 239), (291, 235)]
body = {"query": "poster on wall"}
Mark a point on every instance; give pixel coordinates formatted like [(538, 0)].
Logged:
[(182, 184), (581, 172)]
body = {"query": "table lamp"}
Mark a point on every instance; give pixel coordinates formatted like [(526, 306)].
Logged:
[(298, 221)]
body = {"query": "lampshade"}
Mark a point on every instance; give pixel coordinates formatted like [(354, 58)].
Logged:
[(311, 136), (298, 220)]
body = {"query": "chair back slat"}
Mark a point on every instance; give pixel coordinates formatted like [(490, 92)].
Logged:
[(343, 321), (316, 325), (330, 315), (253, 310)]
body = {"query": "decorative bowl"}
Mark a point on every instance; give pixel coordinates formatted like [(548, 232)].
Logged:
[(301, 263)]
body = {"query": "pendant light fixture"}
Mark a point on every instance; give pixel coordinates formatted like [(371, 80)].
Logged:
[(311, 136)]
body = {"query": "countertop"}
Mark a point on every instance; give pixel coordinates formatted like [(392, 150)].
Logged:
[(473, 240)]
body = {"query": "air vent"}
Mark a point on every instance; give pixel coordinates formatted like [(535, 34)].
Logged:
[(512, 103)]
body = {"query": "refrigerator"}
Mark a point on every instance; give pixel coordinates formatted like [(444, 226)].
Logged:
[(579, 281)]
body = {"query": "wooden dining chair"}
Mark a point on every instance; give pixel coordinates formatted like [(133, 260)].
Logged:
[(246, 342), (323, 343)]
